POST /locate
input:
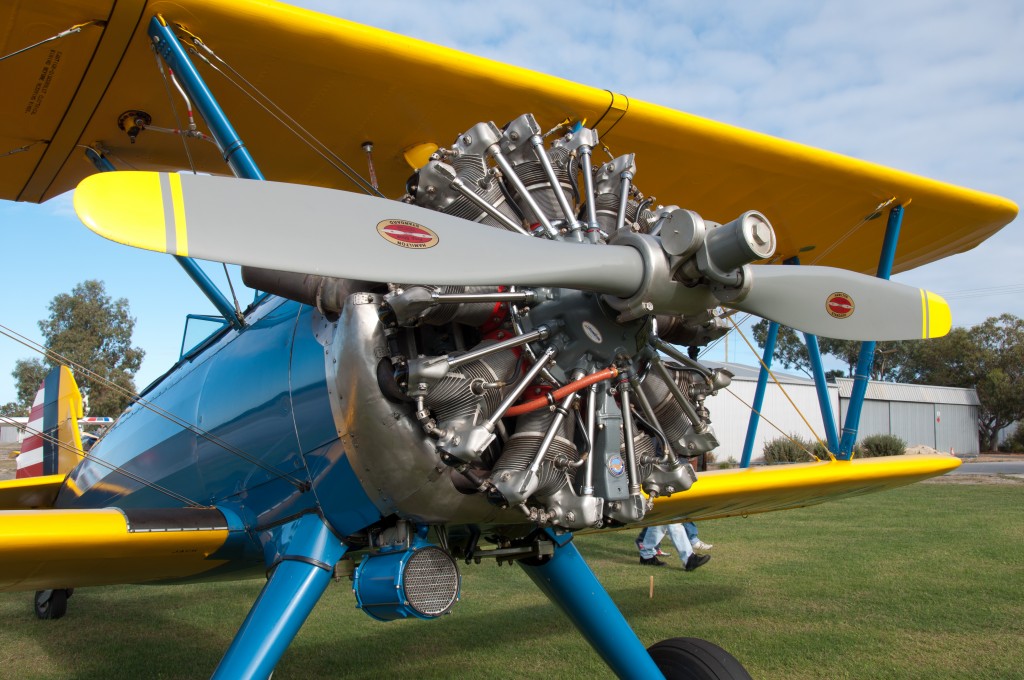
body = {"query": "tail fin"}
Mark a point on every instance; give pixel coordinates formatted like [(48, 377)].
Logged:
[(54, 445)]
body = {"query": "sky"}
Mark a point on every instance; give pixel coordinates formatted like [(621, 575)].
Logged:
[(933, 87)]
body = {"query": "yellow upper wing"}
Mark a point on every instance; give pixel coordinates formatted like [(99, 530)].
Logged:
[(348, 84)]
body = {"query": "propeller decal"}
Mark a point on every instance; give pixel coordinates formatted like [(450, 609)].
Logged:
[(407, 234), (839, 305)]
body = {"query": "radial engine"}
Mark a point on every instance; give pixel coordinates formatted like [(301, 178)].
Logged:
[(547, 406)]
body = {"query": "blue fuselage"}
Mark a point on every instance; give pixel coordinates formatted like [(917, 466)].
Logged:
[(244, 423)]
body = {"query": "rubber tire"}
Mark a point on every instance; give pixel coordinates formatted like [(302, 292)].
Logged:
[(53, 607), (685, 658)]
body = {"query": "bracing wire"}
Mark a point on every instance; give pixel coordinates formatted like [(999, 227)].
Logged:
[(231, 287), (770, 422), (721, 339), (174, 111), (23, 149), (281, 116), (150, 406), (850, 232), (77, 28), (107, 464), (783, 389)]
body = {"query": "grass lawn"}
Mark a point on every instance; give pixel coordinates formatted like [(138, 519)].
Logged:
[(921, 582)]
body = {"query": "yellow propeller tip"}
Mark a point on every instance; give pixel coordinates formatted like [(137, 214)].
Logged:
[(937, 317)]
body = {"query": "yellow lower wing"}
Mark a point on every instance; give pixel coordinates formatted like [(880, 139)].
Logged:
[(30, 492), (42, 549), (727, 493)]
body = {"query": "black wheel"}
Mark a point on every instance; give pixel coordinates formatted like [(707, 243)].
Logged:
[(695, 659), (51, 604)]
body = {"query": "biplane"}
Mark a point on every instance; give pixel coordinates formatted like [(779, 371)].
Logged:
[(471, 353)]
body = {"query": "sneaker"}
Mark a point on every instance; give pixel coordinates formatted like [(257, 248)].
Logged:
[(696, 561), (639, 544), (661, 553), (701, 545), (652, 562)]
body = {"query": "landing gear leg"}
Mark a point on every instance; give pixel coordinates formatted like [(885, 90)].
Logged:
[(307, 553), (52, 604), (567, 580)]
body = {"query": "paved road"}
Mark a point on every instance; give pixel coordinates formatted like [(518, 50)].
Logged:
[(1002, 468)]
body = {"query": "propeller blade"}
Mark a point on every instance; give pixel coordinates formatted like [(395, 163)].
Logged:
[(312, 230), (836, 303)]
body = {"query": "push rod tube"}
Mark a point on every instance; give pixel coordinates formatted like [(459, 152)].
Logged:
[(677, 394), (627, 434), (588, 470), (479, 202), (556, 188), (510, 174), (645, 406), (541, 333), (526, 296), (620, 217), (518, 390)]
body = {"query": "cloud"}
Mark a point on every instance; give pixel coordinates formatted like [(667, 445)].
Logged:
[(931, 87)]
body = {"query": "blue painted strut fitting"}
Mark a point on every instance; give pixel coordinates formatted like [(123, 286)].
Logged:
[(308, 553), (569, 583), (101, 162)]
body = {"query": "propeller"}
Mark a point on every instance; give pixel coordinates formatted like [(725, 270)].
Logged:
[(313, 230), (836, 303)]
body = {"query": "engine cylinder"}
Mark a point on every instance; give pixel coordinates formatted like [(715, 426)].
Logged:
[(524, 444), (668, 412), (533, 177)]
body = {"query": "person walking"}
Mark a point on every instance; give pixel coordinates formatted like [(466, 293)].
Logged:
[(648, 549)]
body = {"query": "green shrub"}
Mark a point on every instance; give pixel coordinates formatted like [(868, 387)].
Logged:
[(882, 445), (1015, 442), (786, 450)]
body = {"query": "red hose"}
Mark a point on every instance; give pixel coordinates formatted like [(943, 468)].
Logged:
[(563, 392)]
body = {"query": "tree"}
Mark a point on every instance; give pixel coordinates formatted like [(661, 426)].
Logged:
[(87, 328), (791, 351), (988, 357), (12, 409), (789, 348), (28, 373)]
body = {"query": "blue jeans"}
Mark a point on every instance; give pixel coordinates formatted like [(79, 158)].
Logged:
[(679, 539), (691, 532)]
